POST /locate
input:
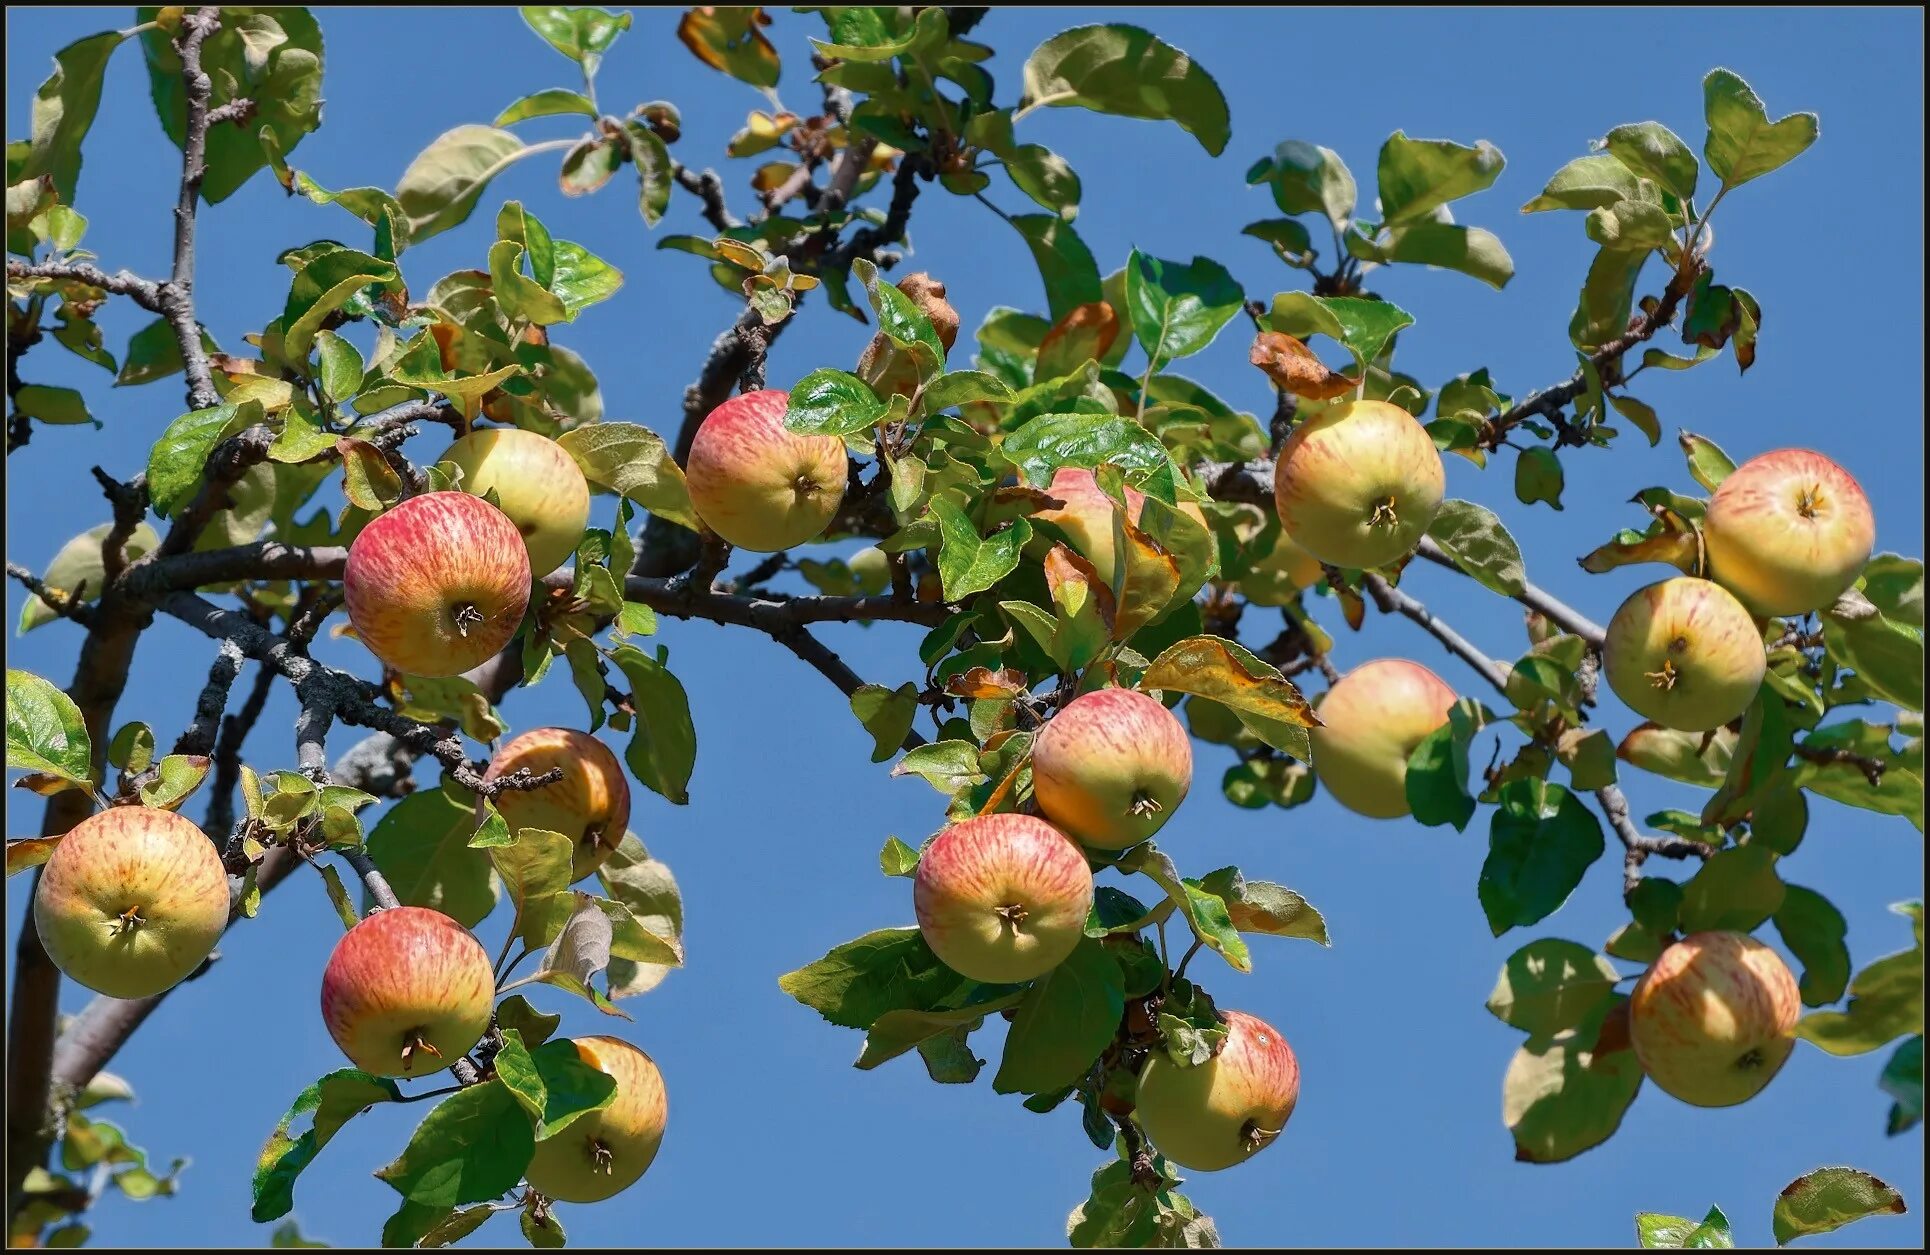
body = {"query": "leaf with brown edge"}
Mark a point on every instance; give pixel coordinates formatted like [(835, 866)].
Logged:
[(1830, 1198), (46, 784), (30, 851), (1149, 578), (729, 39), (1084, 334), (985, 684), (1678, 549), (1208, 667), (1063, 566), (1294, 368), (368, 480)]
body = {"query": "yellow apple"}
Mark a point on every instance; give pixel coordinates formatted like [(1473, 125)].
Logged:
[(1685, 654), (1358, 484), (1371, 723), (1788, 532), (537, 484)]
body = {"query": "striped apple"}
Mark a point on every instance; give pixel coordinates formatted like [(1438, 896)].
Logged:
[(1685, 654), (407, 992), (1788, 532), (759, 485), (1087, 516), (537, 484), (1002, 898), (1358, 484), (1222, 1112), (604, 1152), (590, 805), (1714, 1018), (1110, 768)]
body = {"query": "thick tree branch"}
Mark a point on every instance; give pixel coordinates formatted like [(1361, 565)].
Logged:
[(708, 188), (213, 702)]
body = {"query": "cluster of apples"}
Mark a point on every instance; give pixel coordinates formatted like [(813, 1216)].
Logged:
[(1004, 898), (1786, 533)]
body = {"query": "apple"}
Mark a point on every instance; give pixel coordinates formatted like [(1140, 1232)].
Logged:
[(132, 901), (590, 804), (601, 1153), (1357, 484), (1002, 898), (1684, 653), (537, 484), (759, 486), (1110, 768), (1224, 1111), (1788, 532), (883, 365), (438, 584), (407, 992), (1714, 1018), (1370, 723), (1087, 515), (1283, 572)]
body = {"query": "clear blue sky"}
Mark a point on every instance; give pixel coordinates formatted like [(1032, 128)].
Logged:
[(774, 1138)]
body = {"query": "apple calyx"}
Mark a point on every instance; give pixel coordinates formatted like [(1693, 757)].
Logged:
[(465, 615), (1807, 501), (1254, 1137), (1144, 804), (417, 1041), (126, 922), (601, 1160), (1383, 514), (1013, 913), (1665, 678)]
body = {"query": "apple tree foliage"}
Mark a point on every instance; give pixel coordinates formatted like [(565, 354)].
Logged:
[(294, 439)]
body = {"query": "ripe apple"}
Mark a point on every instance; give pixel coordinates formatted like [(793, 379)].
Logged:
[(590, 804), (1684, 653), (438, 584), (1357, 484), (537, 484), (1714, 1018), (1087, 515), (1002, 898), (1370, 723), (1224, 1111), (758, 485), (601, 1153), (1788, 532), (132, 900), (407, 992), (1110, 768)]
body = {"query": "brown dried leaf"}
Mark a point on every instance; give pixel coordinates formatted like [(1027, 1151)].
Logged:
[(1293, 368), (1084, 334), (981, 683)]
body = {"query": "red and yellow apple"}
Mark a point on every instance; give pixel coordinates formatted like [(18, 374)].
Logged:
[(758, 485), (537, 484), (407, 992), (1684, 653), (1788, 532), (601, 1153), (1714, 1018), (1110, 768), (1087, 515), (590, 805), (132, 900), (1370, 723), (438, 584), (1002, 898), (1222, 1112), (1358, 484)]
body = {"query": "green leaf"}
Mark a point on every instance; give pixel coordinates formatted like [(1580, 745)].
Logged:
[(1886, 1001), (1050, 441), (833, 403), (176, 463), (1652, 151), (1538, 476), (55, 406), (663, 748), (968, 564), (1259, 906), (1630, 225), (1364, 326), (888, 970), (654, 172), (947, 766), (962, 387), (1737, 889), (1707, 462), (1205, 911), (1561, 1096), (1541, 841), (1473, 251), (1225, 672), (583, 33), (180, 775), (80, 569), (63, 110), (333, 1101), (1177, 309), (552, 1083), (546, 103), (1549, 986), (897, 858), (1437, 769), (1902, 1079), (473, 1147), (1126, 71), (154, 353), (45, 733), (1307, 178), (1828, 1199), (1065, 1021), (422, 846), (1679, 1232), (1743, 144), (1585, 183), (324, 284), (645, 887), (633, 462), (1885, 654), (1065, 263), (1474, 537), (1418, 176), (440, 188), (1814, 929), (887, 715), (1607, 295), (1641, 415), (895, 1032)]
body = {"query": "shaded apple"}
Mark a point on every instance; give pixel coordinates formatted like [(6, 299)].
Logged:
[(407, 992), (537, 484), (1110, 768), (1358, 484), (601, 1153), (1224, 1111), (590, 804), (1684, 653), (132, 900), (758, 485), (1371, 723), (438, 584), (1087, 515), (1788, 532), (1002, 898), (1714, 1018)]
